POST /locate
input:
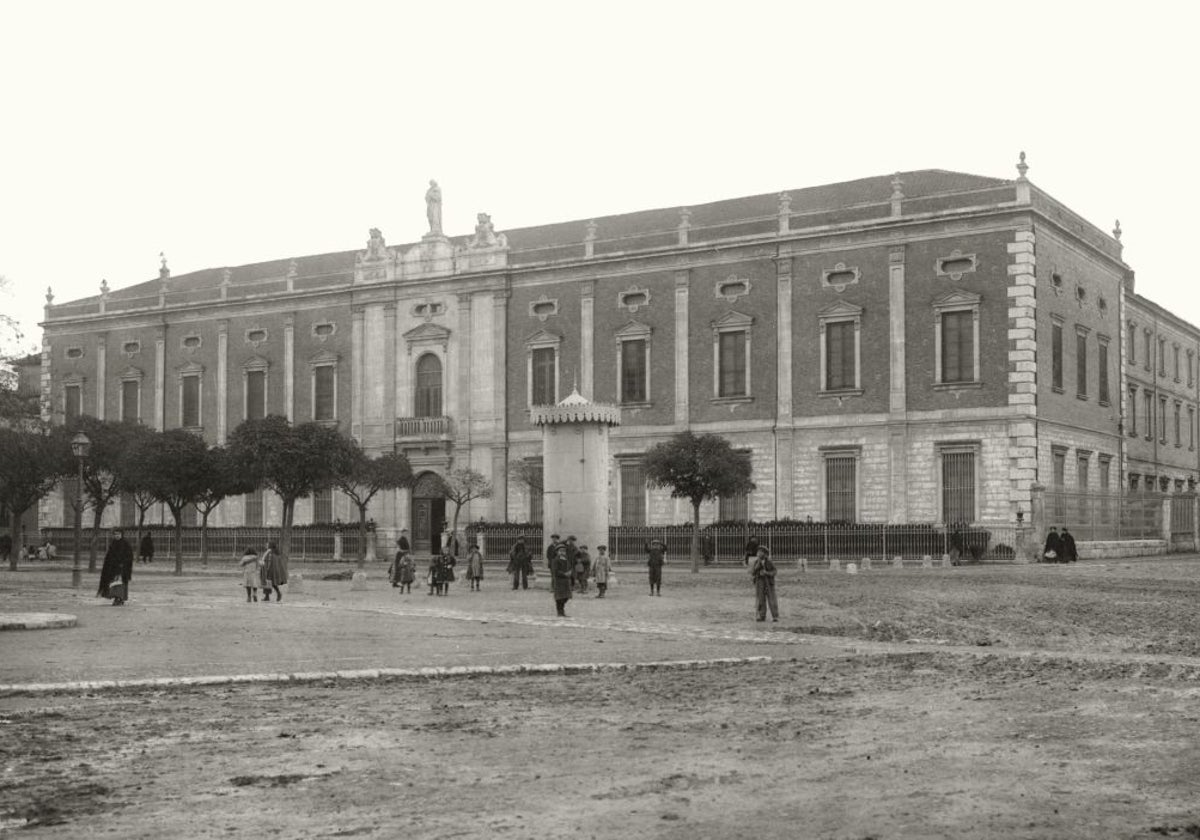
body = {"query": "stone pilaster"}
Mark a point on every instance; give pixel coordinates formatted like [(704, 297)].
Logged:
[(357, 350), (682, 335), (289, 368), (463, 347), (160, 377), (222, 381), (1022, 366), (499, 386), (897, 391), (101, 375), (587, 339), (783, 365)]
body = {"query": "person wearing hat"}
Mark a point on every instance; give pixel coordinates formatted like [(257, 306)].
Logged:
[(1053, 549), (520, 564), (583, 568), (655, 552), (474, 567), (602, 569), (763, 573), (552, 551), (561, 572), (403, 548)]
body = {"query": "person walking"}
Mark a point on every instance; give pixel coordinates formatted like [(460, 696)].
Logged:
[(250, 574), (601, 568), (655, 557), (1052, 551), (1069, 552), (474, 567), (403, 548), (763, 574), (117, 570), (146, 549), (520, 564), (751, 552), (561, 571), (274, 572)]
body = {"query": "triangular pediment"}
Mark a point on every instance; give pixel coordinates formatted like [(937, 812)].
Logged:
[(733, 319), (957, 297), (841, 309), (255, 362), (131, 373), (544, 338), (325, 357), (634, 329), (427, 332), (190, 368)]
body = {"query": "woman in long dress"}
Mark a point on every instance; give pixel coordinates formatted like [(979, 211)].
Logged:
[(250, 574), (274, 572)]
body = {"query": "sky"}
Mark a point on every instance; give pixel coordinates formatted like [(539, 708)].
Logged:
[(224, 133)]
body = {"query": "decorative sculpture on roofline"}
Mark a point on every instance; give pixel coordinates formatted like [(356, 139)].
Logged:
[(376, 247), (433, 208), (485, 234)]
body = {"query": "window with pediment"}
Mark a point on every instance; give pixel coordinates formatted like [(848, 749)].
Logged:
[(732, 335), (323, 370), (956, 339), (633, 364), (542, 351), (840, 331), (254, 388)]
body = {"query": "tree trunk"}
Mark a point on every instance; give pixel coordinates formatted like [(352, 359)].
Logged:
[(15, 538), (178, 514), (695, 537), (362, 535), (92, 538), (204, 538), (285, 532)]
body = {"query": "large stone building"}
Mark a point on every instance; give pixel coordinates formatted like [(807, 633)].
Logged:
[(923, 347)]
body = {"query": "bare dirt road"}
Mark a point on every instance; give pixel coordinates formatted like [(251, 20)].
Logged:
[(993, 702)]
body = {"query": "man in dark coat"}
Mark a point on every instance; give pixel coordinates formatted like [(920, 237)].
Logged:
[(520, 564), (763, 573), (552, 551), (562, 571), (751, 551), (1052, 551), (117, 568), (146, 549), (655, 552), (1069, 553), (403, 547)]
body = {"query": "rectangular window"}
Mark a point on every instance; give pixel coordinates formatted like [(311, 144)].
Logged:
[(324, 392), (1162, 357), (731, 360), (189, 402), (1148, 354), (958, 346), (734, 508), (128, 510), (1133, 411), (1191, 427), (256, 394), (1132, 343), (72, 401), (1148, 410), (841, 485), (1056, 357), (958, 485), (1059, 481), (839, 356), (253, 512), (544, 392), (131, 391), (1082, 468), (1175, 351), (1162, 419), (1081, 388), (1105, 487), (1102, 369), (633, 492), (323, 505), (1191, 368), (1178, 424), (633, 371)]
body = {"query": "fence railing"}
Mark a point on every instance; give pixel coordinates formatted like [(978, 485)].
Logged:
[(221, 543), (1112, 516), (814, 542)]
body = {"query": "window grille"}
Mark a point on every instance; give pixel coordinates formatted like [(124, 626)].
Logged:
[(130, 393), (841, 488), (633, 371), (958, 485), (544, 392), (633, 492), (322, 505), (256, 394), (323, 392)]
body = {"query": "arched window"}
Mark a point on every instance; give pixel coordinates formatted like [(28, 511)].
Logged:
[(429, 386)]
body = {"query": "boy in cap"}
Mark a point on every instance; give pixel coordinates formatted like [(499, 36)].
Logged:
[(655, 552)]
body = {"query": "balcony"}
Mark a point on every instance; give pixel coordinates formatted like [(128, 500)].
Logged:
[(421, 429)]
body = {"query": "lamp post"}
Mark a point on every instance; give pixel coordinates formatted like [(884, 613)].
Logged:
[(80, 446)]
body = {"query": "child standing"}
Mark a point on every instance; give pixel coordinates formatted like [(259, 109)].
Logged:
[(601, 567), (406, 571), (250, 574), (583, 567), (474, 567)]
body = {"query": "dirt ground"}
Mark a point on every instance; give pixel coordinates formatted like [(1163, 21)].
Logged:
[(1015, 702)]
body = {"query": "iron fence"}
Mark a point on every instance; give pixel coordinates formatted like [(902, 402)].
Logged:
[(308, 543), (1110, 516)]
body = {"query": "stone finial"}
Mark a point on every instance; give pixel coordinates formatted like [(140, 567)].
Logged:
[(226, 276), (1117, 230), (1022, 166), (685, 224), (104, 288), (49, 296), (591, 230), (785, 203), (589, 240), (163, 271), (898, 187), (293, 270)]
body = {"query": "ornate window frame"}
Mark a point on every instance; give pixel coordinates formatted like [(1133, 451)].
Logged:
[(840, 313), (255, 364), (829, 453), (733, 322), (74, 382), (131, 374), (955, 301), (131, 348), (633, 331), (325, 359), (543, 340), (191, 370)]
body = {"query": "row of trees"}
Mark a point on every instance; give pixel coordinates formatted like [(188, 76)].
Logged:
[(177, 468)]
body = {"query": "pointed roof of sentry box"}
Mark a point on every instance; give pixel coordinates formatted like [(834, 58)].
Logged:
[(576, 408)]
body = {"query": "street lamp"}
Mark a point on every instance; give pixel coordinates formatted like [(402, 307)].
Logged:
[(80, 446)]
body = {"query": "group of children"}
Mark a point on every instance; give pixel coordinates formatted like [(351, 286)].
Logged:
[(266, 572), (403, 570)]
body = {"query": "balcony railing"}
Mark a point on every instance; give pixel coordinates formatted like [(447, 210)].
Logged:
[(424, 428)]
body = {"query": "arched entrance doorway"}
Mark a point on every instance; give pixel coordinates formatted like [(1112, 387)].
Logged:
[(428, 513)]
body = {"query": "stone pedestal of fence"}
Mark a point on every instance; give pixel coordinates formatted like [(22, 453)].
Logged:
[(1031, 552), (337, 545), (358, 582), (371, 555), (295, 582)]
